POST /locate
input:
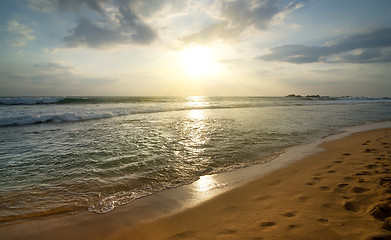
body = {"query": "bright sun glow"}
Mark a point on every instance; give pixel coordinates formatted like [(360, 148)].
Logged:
[(199, 62)]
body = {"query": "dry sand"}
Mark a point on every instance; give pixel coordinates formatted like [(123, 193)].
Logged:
[(341, 193)]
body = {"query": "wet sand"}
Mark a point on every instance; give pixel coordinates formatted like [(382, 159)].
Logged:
[(343, 192)]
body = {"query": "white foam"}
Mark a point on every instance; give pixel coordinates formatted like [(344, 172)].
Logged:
[(29, 100), (24, 119)]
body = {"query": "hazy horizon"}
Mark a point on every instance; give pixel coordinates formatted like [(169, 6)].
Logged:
[(195, 48)]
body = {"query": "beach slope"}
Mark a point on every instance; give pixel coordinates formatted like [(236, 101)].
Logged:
[(343, 192)]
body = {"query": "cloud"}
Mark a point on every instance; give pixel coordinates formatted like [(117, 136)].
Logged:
[(143, 34), (67, 5), (22, 34), (53, 78), (127, 27), (367, 56), (88, 34), (54, 67), (368, 46), (50, 51), (244, 13), (221, 30), (237, 16)]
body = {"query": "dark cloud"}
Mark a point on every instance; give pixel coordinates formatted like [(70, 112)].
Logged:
[(369, 46), (129, 28), (246, 13), (237, 16), (88, 34), (295, 53), (142, 33), (67, 5)]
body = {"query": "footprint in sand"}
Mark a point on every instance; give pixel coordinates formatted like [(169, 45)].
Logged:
[(267, 224), (324, 188), (359, 189), (303, 199), (276, 182), (289, 214), (323, 220), (317, 178), (291, 226), (370, 150), (181, 235), (326, 205), (385, 181), (262, 198), (228, 231), (378, 237), (383, 171), (342, 185), (362, 180), (363, 173), (351, 206), (370, 166)]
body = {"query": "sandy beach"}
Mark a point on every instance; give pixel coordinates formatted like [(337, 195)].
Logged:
[(343, 192)]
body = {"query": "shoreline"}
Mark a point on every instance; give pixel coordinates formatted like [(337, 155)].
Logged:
[(128, 220), (343, 192)]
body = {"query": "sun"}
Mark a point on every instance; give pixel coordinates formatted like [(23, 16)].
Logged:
[(199, 61)]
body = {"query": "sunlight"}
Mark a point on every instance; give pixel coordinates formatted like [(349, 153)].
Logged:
[(206, 183), (196, 114), (197, 101), (199, 61)]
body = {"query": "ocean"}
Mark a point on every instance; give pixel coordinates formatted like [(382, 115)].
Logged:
[(70, 154)]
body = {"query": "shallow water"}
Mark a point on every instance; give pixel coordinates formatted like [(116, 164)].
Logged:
[(67, 154)]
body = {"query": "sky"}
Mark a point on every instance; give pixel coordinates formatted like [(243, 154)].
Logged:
[(188, 47)]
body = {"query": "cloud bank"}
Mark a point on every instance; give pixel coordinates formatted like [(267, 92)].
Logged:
[(128, 27), (67, 5), (131, 21), (366, 47), (123, 21), (237, 16)]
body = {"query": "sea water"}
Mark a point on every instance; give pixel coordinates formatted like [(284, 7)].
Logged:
[(65, 154)]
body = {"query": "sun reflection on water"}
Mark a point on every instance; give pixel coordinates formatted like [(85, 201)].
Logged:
[(196, 115), (197, 102), (206, 183)]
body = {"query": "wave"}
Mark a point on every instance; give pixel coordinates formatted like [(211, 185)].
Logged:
[(58, 109), (81, 100), (118, 99), (54, 118), (29, 100)]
